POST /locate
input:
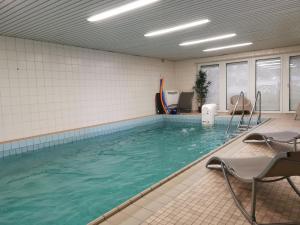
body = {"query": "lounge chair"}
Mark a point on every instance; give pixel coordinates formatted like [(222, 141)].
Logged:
[(185, 102), (286, 137), (256, 170), (297, 112), (239, 108)]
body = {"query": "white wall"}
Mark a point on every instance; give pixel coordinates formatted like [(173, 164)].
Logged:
[(186, 72), (46, 87)]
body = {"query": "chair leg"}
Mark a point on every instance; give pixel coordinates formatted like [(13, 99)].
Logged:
[(253, 201), (251, 218), (293, 186)]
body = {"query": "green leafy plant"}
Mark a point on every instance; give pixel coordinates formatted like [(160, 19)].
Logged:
[(201, 87)]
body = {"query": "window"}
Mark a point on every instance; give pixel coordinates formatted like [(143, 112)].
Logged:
[(237, 79), (294, 82), (268, 81), (213, 90)]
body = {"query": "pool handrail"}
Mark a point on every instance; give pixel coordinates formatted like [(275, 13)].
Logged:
[(257, 98), (242, 95)]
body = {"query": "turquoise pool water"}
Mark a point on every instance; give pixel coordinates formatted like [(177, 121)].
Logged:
[(77, 182)]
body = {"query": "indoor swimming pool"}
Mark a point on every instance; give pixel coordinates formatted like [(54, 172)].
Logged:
[(76, 182)]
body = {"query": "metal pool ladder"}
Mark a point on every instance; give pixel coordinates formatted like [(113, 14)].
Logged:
[(241, 125), (257, 99), (242, 95)]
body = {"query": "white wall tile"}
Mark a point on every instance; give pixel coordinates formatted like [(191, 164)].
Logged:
[(46, 87)]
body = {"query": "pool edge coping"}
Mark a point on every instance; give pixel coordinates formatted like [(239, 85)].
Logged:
[(155, 186)]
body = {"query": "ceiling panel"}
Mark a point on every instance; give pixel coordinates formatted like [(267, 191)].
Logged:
[(266, 23)]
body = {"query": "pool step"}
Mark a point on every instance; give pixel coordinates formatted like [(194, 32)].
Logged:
[(240, 130), (244, 127)]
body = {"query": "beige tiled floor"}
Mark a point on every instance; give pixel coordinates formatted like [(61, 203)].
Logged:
[(199, 196)]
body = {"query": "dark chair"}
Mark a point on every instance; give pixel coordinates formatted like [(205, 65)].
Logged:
[(185, 102)]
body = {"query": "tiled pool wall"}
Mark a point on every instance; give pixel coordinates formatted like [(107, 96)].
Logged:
[(197, 119), (50, 140)]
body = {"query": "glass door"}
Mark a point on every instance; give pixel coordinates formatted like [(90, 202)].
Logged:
[(237, 78), (268, 82)]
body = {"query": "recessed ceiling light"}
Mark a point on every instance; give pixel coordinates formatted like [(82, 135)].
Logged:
[(121, 9), (176, 28), (228, 46), (187, 43)]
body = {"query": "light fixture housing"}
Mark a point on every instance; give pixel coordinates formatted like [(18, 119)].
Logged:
[(228, 46), (177, 28), (200, 41), (121, 9)]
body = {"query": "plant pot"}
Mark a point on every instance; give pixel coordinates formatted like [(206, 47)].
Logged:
[(199, 109)]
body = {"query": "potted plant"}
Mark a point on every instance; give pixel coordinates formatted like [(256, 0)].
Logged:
[(201, 88)]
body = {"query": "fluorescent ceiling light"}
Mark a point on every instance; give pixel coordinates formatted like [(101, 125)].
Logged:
[(177, 28), (207, 39), (121, 9), (228, 46)]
